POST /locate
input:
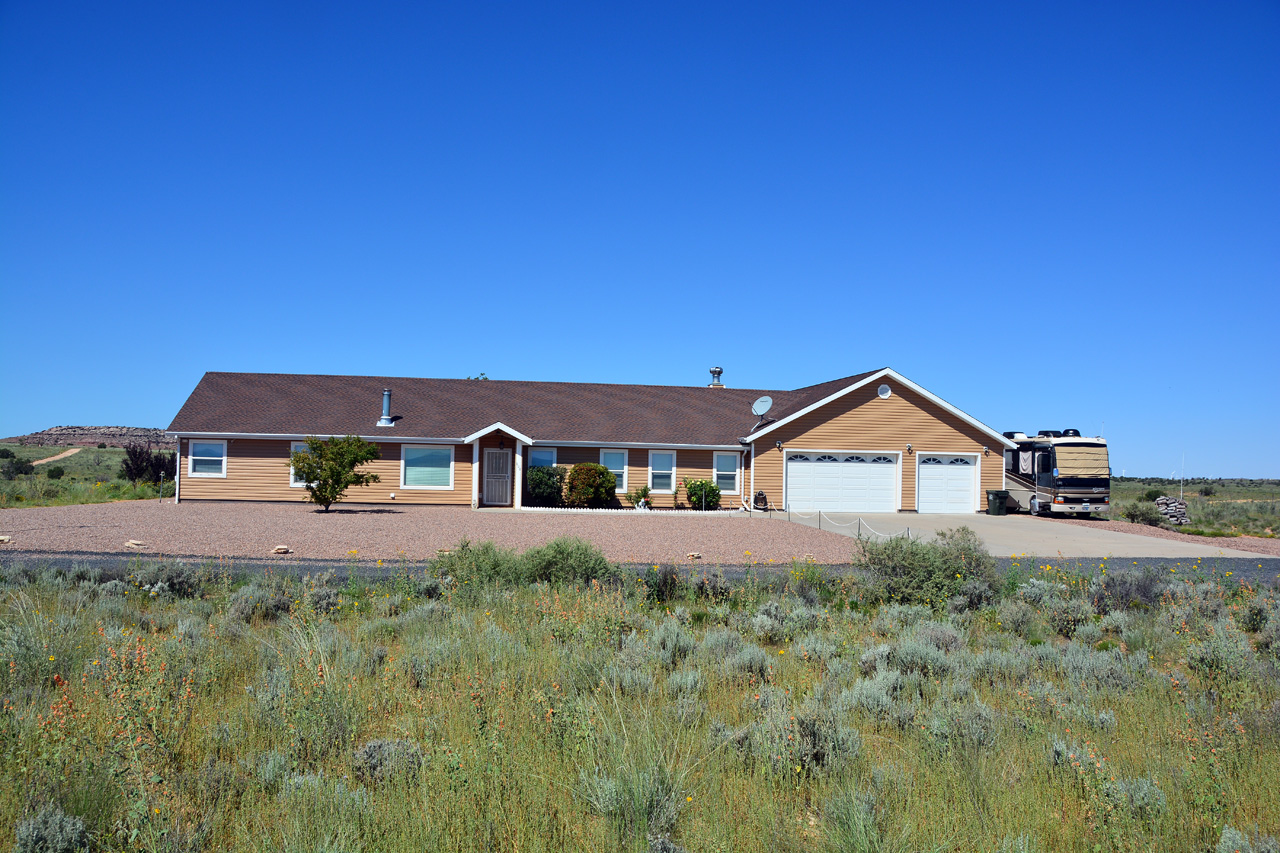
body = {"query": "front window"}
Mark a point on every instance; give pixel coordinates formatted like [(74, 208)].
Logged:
[(207, 459), (726, 465), (542, 457), (616, 461), (296, 447), (662, 470), (426, 467)]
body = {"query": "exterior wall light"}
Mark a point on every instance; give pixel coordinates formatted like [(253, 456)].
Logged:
[(908, 448), (778, 444)]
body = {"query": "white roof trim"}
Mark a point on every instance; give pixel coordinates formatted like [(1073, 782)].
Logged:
[(299, 436), (897, 377), (419, 439), (549, 442), (481, 433)]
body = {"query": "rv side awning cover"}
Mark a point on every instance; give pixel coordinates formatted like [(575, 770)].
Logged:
[(1082, 461)]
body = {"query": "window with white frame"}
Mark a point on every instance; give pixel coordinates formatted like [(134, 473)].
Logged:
[(207, 459), (616, 461), (726, 465), (542, 457), (662, 470), (426, 466), (296, 447)]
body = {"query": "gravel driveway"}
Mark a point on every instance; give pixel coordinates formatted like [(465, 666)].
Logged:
[(1256, 544), (254, 529)]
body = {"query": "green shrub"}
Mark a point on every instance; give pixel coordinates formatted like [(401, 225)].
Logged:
[(1067, 615), (1126, 589), (14, 467), (590, 485), (1142, 513), (639, 495), (485, 563), (930, 573), (1206, 491), (52, 831), (382, 760), (102, 445), (672, 642), (6, 453), (1015, 616), (702, 494), (546, 485), (55, 472), (1150, 495), (254, 601), (567, 559), (1224, 656)]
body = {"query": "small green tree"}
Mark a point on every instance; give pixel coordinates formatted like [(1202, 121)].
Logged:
[(328, 467)]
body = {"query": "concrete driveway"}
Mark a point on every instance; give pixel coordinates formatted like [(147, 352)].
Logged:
[(1013, 534)]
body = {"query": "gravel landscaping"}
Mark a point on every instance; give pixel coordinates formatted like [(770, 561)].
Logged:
[(1256, 544), (254, 529)]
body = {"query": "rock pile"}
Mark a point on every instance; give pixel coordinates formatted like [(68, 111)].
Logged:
[(1174, 510), (91, 436)]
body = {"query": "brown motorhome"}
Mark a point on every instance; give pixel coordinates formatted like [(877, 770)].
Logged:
[(1058, 471)]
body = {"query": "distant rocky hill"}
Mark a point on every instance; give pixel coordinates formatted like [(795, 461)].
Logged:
[(92, 436)]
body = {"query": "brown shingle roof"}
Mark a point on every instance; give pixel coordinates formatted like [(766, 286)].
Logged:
[(306, 404)]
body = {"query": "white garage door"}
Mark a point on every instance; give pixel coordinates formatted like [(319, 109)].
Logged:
[(841, 482), (947, 484)]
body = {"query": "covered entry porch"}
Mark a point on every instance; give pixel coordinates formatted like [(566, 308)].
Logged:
[(497, 457)]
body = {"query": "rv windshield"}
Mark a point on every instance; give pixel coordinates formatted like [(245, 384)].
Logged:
[(1082, 460)]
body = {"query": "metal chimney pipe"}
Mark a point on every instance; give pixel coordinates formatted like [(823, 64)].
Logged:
[(385, 420)]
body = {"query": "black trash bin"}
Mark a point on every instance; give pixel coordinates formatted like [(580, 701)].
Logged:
[(997, 502)]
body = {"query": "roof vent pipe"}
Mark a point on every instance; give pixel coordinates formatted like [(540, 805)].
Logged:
[(385, 420), (715, 378)]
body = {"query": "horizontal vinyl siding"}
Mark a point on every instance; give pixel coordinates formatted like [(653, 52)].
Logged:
[(690, 465), (862, 421), (258, 470)]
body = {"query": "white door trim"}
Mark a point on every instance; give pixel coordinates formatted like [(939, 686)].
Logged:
[(475, 473), (517, 488)]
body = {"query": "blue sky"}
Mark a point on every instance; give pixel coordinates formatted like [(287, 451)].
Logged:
[(1051, 215)]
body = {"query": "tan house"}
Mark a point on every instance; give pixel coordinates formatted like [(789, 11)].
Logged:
[(874, 442)]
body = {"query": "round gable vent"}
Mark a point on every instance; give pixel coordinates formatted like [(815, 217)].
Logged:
[(884, 391)]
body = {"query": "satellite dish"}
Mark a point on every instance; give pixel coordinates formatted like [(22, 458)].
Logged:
[(761, 407)]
